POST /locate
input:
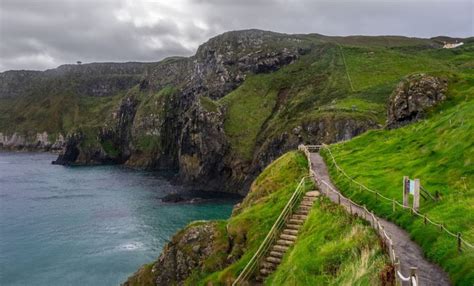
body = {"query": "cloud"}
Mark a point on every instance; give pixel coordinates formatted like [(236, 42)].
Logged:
[(40, 34)]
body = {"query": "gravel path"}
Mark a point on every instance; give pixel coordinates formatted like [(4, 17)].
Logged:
[(409, 253)]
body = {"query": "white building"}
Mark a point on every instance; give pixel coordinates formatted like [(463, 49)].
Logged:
[(452, 45)]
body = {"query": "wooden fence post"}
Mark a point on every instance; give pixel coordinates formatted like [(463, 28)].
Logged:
[(393, 205), (413, 275), (338, 198), (376, 197), (416, 195), (406, 187), (397, 269), (459, 242)]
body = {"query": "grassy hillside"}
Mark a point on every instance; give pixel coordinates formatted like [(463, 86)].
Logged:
[(334, 244), (344, 77), (439, 151), (332, 249)]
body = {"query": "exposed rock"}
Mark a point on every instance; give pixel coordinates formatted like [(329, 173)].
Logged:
[(186, 252), (173, 198), (38, 141), (413, 97), (71, 151), (327, 129)]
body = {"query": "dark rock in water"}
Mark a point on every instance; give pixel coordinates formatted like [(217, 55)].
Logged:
[(71, 150), (173, 198), (413, 97)]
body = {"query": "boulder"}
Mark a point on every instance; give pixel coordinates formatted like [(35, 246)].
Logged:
[(413, 97)]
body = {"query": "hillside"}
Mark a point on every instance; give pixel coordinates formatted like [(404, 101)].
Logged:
[(332, 248), (438, 150), (218, 117)]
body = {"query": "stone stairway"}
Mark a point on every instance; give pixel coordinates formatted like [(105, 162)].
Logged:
[(287, 237)]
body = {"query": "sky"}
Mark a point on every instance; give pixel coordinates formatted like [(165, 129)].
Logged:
[(42, 34)]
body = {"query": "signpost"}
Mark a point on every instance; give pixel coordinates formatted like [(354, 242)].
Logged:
[(411, 187)]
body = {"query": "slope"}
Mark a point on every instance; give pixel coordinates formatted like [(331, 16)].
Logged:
[(439, 151)]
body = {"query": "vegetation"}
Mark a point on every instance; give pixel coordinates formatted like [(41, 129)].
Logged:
[(439, 151), (333, 248)]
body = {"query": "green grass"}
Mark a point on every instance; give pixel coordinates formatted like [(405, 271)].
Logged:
[(439, 151), (247, 109), (332, 248), (342, 245)]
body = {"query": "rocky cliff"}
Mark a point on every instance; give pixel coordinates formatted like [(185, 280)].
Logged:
[(217, 117), (173, 118)]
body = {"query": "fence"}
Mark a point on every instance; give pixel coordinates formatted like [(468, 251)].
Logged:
[(362, 211), (273, 234), (460, 241)]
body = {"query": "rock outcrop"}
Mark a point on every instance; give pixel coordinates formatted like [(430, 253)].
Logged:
[(39, 141), (187, 251), (413, 97)]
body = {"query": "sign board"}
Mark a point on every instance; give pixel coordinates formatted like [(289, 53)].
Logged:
[(412, 187)]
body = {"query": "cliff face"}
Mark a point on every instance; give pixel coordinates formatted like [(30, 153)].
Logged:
[(185, 113)]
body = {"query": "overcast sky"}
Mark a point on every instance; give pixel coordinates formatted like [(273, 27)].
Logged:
[(41, 34)]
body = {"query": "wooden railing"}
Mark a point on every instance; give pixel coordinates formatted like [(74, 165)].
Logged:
[(460, 241), (272, 235), (354, 208)]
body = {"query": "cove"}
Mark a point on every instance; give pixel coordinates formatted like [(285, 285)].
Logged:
[(85, 225)]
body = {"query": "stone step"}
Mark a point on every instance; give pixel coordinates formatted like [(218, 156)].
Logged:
[(306, 203), (313, 194), (290, 231), (297, 216), (304, 208), (296, 221), (269, 265), (288, 237), (293, 226), (280, 248), (277, 254), (265, 272), (274, 260), (284, 242), (302, 212), (309, 199)]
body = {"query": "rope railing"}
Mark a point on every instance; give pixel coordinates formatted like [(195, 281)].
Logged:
[(461, 241), (272, 235), (326, 189)]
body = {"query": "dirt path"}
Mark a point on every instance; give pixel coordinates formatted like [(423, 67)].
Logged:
[(409, 252)]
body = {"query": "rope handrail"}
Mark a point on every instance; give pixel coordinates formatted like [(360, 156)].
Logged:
[(440, 225), (375, 223), (269, 239)]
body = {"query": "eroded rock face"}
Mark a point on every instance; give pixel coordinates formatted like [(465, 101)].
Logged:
[(329, 129), (186, 252), (413, 97)]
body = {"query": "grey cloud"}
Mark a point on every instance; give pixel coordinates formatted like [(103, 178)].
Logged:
[(40, 34)]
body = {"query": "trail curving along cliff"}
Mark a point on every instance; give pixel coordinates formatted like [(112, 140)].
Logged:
[(409, 253)]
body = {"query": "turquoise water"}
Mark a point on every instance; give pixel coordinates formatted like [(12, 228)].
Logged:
[(84, 225)]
